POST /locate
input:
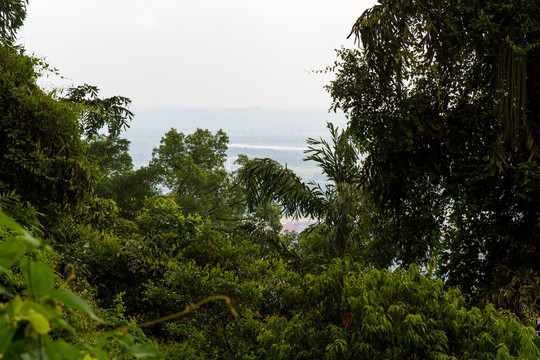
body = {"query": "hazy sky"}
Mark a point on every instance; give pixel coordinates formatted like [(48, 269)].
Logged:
[(197, 53)]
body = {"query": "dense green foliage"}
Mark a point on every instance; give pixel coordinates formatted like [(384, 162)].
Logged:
[(439, 166), (43, 155), (335, 204), (348, 313), (444, 102), (26, 322), (95, 113), (12, 15), (128, 187), (192, 167)]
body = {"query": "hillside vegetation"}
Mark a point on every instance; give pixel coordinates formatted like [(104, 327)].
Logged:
[(427, 233)]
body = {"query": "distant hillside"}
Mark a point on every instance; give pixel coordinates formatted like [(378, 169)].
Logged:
[(288, 128)]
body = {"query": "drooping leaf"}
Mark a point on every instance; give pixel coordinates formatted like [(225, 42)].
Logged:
[(141, 351), (65, 325), (8, 222), (73, 301), (98, 353), (41, 279), (10, 252), (39, 322), (60, 350), (6, 335)]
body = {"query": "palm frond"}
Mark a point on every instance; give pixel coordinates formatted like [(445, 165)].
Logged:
[(339, 161), (335, 204), (8, 198), (267, 180)]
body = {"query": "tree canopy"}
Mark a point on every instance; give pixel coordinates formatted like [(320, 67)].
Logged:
[(443, 100), (43, 156), (439, 166), (191, 166)]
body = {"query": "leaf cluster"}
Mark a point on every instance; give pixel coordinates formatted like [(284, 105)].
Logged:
[(348, 313), (25, 322)]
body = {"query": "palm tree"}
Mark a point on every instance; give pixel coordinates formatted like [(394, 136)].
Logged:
[(334, 204)]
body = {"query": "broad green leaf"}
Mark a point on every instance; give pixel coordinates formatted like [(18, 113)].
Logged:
[(74, 302), (140, 351), (33, 242), (65, 325), (39, 322), (62, 351), (17, 305), (10, 252), (24, 266), (6, 334), (88, 357), (7, 222), (36, 307), (42, 279), (98, 353)]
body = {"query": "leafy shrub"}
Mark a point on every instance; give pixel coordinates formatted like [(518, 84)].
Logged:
[(347, 313), (27, 320)]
